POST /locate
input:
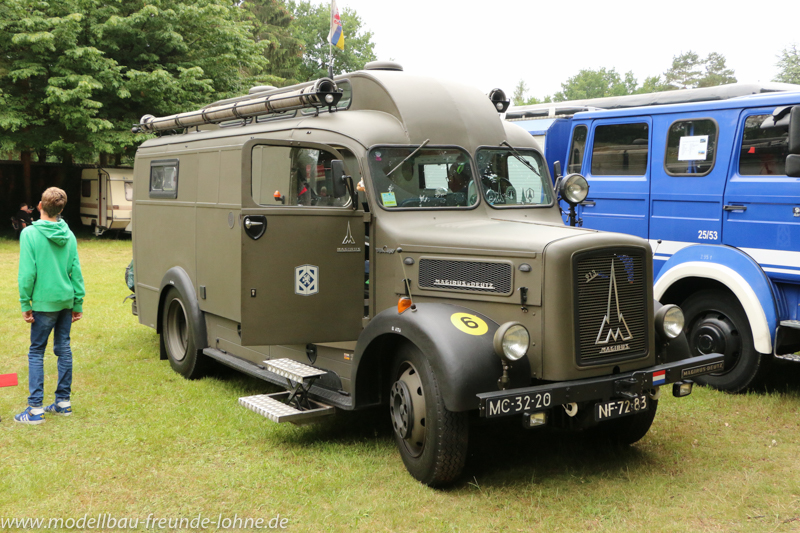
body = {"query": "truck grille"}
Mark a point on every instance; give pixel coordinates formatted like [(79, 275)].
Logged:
[(473, 276), (611, 302)]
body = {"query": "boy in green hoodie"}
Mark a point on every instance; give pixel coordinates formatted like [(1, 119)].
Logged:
[(51, 293)]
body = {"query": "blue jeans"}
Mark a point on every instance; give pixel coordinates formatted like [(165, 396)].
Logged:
[(43, 324)]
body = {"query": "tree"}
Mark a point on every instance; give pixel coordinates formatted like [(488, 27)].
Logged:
[(689, 71), (76, 74), (311, 25), (271, 22), (652, 84), (588, 83), (789, 65), (518, 98)]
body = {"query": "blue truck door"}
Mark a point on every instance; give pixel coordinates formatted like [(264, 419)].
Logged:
[(688, 180), (617, 163), (762, 204)]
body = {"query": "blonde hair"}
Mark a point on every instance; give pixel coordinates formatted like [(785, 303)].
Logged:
[(53, 201)]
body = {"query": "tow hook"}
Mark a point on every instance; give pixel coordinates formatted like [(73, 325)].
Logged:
[(625, 387)]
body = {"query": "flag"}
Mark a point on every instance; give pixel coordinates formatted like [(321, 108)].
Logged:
[(660, 377), (336, 35)]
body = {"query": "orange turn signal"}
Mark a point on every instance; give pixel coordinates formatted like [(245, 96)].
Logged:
[(277, 194), (403, 303)]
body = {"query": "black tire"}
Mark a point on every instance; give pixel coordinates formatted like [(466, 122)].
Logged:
[(627, 430), (432, 440), (717, 323), (178, 339)]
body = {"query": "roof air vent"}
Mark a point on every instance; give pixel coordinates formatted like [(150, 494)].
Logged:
[(383, 65)]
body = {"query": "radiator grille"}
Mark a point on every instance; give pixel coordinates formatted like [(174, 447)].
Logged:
[(612, 318), (473, 276)]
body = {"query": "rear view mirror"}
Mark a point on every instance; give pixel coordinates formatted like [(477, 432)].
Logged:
[(337, 173), (794, 131)]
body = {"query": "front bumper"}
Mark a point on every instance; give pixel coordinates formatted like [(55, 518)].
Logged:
[(544, 397)]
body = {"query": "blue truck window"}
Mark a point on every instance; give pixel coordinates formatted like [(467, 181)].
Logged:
[(764, 147), (620, 150), (691, 147), (576, 150)]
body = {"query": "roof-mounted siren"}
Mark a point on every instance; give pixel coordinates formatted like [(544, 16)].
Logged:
[(499, 99), (322, 93)]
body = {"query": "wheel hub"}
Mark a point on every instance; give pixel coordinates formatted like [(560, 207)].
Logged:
[(402, 409), (715, 333), (407, 410)]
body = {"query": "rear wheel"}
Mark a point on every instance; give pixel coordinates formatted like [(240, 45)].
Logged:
[(717, 323), (177, 337), (432, 440)]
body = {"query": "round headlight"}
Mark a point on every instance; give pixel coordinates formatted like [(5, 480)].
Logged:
[(669, 321), (511, 341), (574, 188)]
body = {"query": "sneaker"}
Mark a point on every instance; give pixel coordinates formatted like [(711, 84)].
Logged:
[(31, 415), (59, 408)]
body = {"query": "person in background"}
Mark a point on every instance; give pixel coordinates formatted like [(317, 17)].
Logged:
[(51, 294)]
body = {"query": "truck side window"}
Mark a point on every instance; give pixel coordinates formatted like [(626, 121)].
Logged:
[(691, 147), (764, 147), (620, 150), (293, 176), (575, 158), (164, 178), (86, 189)]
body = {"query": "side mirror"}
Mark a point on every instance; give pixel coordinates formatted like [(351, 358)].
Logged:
[(794, 131), (557, 169), (337, 175)]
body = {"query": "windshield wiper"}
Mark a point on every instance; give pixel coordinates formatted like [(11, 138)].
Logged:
[(520, 158), (412, 154)]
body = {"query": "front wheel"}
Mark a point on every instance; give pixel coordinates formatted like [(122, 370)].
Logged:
[(177, 337), (717, 323), (432, 440)]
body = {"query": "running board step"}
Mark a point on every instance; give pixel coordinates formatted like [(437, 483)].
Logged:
[(273, 406), (795, 324), (789, 357)]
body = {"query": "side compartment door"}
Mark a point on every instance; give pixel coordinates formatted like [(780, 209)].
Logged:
[(617, 165), (302, 248), (762, 204)]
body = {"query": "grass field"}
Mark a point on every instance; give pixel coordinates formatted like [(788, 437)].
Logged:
[(144, 441)]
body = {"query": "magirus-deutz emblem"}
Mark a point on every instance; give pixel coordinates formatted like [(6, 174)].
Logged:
[(609, 333)]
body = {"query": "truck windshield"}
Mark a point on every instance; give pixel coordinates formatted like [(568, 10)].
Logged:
[(507, 181), (430, 178)]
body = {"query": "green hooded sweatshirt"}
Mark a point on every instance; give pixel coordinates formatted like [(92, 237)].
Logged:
[(50, 276)]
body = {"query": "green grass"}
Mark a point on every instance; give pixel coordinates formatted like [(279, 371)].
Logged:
[(144, 440)]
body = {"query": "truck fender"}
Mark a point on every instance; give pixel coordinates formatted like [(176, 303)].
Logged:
[(178, 278), (738, 272), (464, 363)]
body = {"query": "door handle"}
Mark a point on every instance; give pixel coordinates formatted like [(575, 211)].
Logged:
[(735, 208), (255, 226), (588, 203)]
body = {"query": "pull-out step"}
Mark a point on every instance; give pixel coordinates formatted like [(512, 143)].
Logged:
[(273, 406), (789, 357), (293, 405), (291, 369)]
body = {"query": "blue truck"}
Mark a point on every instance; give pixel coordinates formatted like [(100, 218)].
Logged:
[(712, 178)]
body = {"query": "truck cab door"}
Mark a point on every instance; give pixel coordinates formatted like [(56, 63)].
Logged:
[(617, 167), (302, 252), (762, 204)]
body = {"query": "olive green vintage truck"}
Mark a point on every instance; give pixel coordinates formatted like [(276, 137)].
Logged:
[(382, 238)]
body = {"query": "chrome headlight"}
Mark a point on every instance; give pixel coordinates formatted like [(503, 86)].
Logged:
[(669, 321), (574, 188), (511, 341)]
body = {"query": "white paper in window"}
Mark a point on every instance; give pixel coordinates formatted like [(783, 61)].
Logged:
[(694, 148)]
